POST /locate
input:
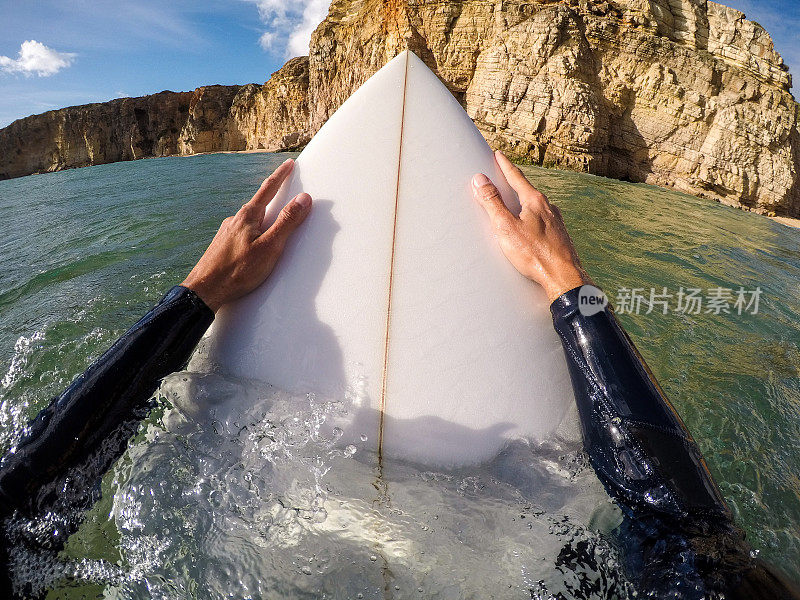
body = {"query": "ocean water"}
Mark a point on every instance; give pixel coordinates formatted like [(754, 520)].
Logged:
[(232, 490)]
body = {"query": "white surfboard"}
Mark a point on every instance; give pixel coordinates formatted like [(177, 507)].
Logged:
[(394, 294)]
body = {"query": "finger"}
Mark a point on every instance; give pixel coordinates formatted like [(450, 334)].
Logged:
[(258, 203), (517, 180), (289, 219), (489, 197)]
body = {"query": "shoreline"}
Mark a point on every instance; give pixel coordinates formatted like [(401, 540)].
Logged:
[(792, 222), (254, 151), (787, 221)]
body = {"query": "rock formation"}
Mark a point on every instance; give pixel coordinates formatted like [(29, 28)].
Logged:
[(274, 116), (679, 93), (268, 117)]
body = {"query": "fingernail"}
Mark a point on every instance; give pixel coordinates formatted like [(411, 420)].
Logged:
[(304, 200), (287, 161), (480, 180)]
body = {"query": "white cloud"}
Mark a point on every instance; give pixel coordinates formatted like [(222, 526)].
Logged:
[(290, 23), (267, 40), (36, 58)]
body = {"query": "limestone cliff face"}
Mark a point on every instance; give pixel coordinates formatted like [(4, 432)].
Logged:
[(679, 93), (274, 116), (212, 118), (123, 129)]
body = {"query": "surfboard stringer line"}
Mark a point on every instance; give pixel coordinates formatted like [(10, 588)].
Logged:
[(384, 378)]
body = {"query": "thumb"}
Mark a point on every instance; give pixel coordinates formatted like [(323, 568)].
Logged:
[(485, 192), (289, 219)]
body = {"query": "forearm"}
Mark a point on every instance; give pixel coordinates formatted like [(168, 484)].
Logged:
[(636, 442), (678, 533), (81, 427)]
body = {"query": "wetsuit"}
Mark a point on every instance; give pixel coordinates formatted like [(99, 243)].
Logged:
[(678, 539), (57, 466), (677, 527)]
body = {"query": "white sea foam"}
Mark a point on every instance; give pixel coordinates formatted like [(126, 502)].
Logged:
[(22, 351), (14, 409)]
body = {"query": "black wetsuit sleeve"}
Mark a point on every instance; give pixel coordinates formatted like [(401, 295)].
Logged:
[(80, 428), (678, 533), (636, 442)]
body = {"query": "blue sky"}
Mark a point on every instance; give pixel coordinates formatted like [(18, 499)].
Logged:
[(781, 18), (80, 51)]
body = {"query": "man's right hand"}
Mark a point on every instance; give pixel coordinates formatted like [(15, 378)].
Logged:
[(536, 242)]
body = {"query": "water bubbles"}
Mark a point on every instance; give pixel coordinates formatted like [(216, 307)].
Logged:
[(306, 569), (350, 451), (318, 515), (373, 558), (470, 486), (297, 432), (23, 348), (13, 403), (364, 437)]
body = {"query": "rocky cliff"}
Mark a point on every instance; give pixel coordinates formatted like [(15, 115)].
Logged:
[(272, 116), (679, 93)]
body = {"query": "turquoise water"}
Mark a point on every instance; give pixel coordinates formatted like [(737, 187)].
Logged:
[(197, 508)]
